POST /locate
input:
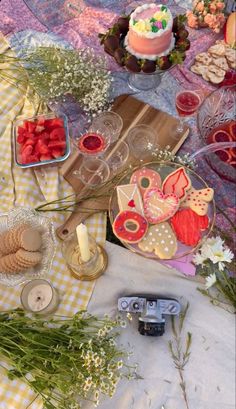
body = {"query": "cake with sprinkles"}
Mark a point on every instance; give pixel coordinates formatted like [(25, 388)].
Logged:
[(150, 31)]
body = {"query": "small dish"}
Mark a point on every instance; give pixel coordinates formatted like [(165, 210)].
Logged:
[(24, 215), (46, 144)]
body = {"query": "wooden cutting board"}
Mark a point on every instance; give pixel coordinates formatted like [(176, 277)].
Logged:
[(133, 112)]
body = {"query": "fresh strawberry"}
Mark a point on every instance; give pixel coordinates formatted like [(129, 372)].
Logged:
[(57, 145), (31, 126), (30, 141), (45, 157), (20, 130), (54, 123), (20, 138), (57, 133), (39, 128), (57, 153)]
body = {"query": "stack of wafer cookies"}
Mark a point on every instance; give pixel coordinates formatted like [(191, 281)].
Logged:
[(20, 249), (213, 64)]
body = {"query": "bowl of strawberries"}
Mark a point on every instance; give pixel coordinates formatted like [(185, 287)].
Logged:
[(40, 140)]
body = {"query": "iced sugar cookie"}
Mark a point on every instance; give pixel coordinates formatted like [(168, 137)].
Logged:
[(130, 226), (146, 179), (198, 200), (161, 240), (129, 198), (178, 183), (188, 225), (159, 207)]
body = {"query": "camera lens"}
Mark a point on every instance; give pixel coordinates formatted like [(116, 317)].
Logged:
[(152, 329), (135, 305)]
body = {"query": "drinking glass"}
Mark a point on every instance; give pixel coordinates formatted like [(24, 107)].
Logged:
[(142, 140), (110, 120), (118, 156), (93, 142), (93, 172), (187, 102)]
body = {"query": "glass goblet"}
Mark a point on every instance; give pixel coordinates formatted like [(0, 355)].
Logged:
[(187, 102), (93, 172), (142, 140), (117, 156), (110, 120)]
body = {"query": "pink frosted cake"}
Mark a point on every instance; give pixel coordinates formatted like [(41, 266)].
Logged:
[(150, 31)]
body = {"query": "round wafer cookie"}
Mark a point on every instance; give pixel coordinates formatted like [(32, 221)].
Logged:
[(29, 257), (9, 265), (4, 243), (30, 239)]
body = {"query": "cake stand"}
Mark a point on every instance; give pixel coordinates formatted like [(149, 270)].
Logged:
[(141, 81)]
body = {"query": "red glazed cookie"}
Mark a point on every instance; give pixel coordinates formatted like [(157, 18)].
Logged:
[(130, 226), (188, 225), (178, 183), (159, 207), (146, 179)]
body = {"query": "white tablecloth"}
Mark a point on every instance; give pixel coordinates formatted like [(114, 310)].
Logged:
[(210, 373)]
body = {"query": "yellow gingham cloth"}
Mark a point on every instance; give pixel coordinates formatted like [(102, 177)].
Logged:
[(26, 187)]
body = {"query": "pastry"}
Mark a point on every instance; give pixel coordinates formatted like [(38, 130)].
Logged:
[(198, 200), (146, 179), (158, 206), (188, 225), (130, 226), (161, 240), (150, 31), (129, 198), (177, 183)]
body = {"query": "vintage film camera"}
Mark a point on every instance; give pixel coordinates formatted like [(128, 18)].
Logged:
[(151, 308)]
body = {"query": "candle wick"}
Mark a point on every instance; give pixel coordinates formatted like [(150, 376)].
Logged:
[(38, 298)]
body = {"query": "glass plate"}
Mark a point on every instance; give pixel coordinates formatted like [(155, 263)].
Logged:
[(24, 215), (164, 169)]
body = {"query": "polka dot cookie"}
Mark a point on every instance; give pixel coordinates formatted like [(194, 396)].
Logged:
[(198, 200), (161, 240)]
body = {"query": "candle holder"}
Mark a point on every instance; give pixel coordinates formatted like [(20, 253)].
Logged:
[(89, 270), (39, 296)]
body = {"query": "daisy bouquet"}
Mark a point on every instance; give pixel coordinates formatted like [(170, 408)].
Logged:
[(208, 13), (214, 262)]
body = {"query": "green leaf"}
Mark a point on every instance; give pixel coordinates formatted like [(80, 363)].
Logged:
[(153, 20), (163, 8), (155, 29), (164, 24)]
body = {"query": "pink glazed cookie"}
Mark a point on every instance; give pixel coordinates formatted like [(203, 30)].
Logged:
[(146, 179), (159, 207), (130, 226)]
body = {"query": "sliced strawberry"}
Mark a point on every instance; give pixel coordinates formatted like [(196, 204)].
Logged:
[(30, 141), (221, 136), (29, 135), (27, 150), (57, 144), (20, 130), (54, 123), (20, 138), (45, 157), (57, 153), (41, 121), (39, 128), (32, 159), (31, 126), (57, 133)]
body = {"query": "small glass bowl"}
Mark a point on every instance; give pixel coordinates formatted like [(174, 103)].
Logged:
[(26, 215), (110, 120), (17, 146)]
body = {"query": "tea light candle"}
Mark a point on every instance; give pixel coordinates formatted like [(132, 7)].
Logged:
[(83, 241), (39, 296)]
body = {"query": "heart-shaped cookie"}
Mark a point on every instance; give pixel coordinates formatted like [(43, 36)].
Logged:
[(159, 207), (188, 225)]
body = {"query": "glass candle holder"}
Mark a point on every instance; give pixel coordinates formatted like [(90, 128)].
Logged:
[(39, 296), (93, 172), (142, 140), (111, 121), (85, 271)]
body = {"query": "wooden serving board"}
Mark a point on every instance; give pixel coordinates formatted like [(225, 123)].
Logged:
[(133, 112)]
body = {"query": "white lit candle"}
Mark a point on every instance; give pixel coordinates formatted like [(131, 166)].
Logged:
[(83, 241)]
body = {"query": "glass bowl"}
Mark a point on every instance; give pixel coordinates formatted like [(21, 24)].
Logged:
[(164, 169), (24, 215), (44, 135), (217, 109)]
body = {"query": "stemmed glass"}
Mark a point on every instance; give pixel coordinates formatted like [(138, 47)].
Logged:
[(187, 102), (142, 140)]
